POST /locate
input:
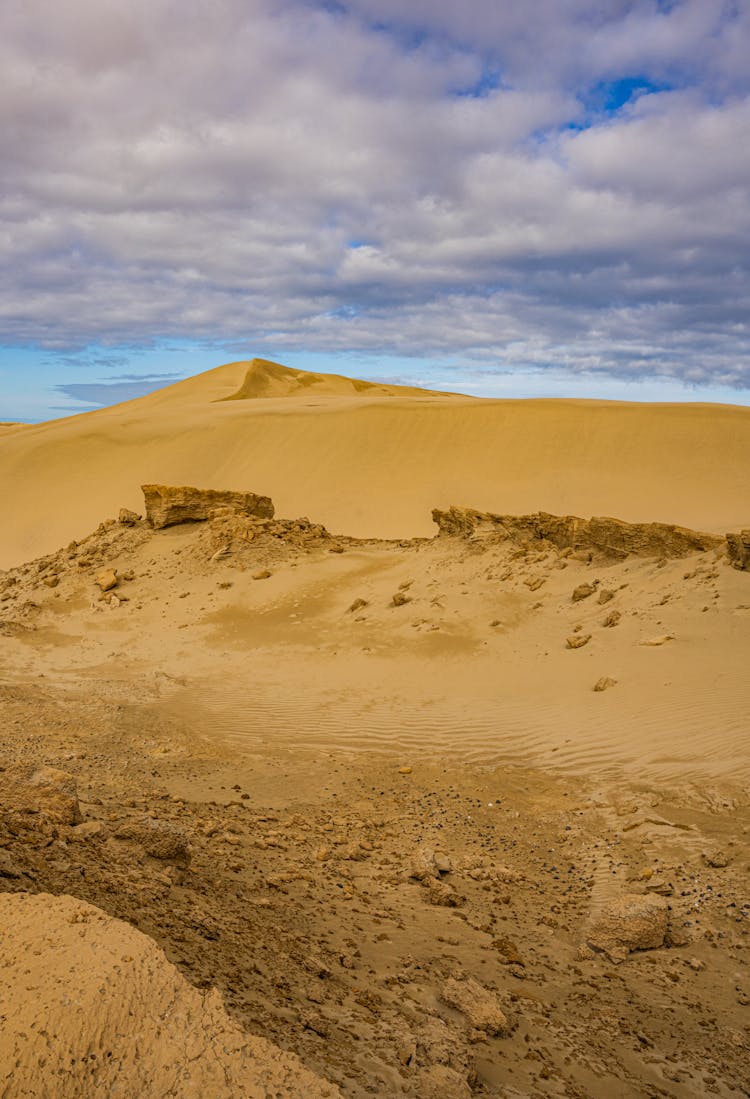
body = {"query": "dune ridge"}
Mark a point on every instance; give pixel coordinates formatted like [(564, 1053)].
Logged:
[(372, 464)]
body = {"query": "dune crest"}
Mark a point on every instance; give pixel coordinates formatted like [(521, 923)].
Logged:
[(373, 461), (264, 379)]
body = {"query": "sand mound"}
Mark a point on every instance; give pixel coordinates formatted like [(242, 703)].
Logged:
[(109, 1015), (264, 379), (373, 461)]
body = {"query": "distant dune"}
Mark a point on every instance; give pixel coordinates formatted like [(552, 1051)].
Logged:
[(372, 459)]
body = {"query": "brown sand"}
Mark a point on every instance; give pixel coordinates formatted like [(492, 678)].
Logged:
[(378, 793), (375, 463)]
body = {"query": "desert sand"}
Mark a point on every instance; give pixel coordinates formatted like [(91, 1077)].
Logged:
[(432, 803), (373, 463)]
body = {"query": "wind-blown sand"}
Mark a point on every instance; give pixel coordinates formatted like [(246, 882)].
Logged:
[(408, 804), (373, 464)]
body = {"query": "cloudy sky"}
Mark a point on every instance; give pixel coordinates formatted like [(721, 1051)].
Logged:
[(548, 197)]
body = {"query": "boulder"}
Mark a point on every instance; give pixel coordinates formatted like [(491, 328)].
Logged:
[(611, 538), (91, 1006), (633, 922), (167, 505), (738, 546)]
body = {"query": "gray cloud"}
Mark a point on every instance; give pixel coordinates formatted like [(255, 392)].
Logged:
[(124, 388), (299, 176)]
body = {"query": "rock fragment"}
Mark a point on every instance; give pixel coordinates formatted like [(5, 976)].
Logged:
[(107, 579), (583, 591), (632, 922), (577, 640), (159, 839), (604, 683), (480, 1007)]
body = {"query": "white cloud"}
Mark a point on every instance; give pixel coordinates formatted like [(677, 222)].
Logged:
[(295, 177)]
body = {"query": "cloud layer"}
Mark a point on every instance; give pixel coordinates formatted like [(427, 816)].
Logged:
[(560, 183)]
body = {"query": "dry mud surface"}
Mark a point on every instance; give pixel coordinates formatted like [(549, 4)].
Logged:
[(441, 818)]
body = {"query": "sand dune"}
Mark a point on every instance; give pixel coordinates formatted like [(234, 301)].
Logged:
[(373, 461)]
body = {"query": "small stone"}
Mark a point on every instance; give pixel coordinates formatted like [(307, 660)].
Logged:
[(612, 619), (577, 641), (480, 1007), (263, 574), (654, 642), (128, 518), (400, 600), (605, 683), (717, 859), (583, 591), (107, 579), (357, 605), (605, 595), (404, 770)]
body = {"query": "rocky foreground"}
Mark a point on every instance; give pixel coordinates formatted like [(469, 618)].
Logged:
[(396, 925)]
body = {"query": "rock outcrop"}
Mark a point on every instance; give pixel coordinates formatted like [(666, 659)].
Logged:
[(739, 550), (109, 1015), (167, 505), (611, 538)]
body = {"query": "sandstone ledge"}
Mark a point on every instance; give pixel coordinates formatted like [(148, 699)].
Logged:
[(610, 537)]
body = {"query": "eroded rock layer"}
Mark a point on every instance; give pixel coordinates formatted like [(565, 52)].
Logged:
[(609, 537)]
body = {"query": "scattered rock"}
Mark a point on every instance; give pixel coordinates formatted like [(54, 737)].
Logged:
[(443, 895), (423, 865), (480, 1007), (533, 583), (107, 579), (654, 642), (405, 770), (612, 619), (357, 605), (263, 574), (632, 922), (508, 951), (583, 591), (128, 518), (159, 839), (605, 595), (89, 830), (717, 859), (399, 599), (577, 640), (167, 505), (605, 683)]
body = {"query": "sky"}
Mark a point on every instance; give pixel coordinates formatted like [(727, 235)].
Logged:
[(540, 199)]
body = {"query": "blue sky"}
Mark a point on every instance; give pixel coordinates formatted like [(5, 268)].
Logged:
[(547, 199)]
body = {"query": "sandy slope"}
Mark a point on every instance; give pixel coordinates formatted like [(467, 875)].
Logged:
[(374, 462), (256, 690)]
